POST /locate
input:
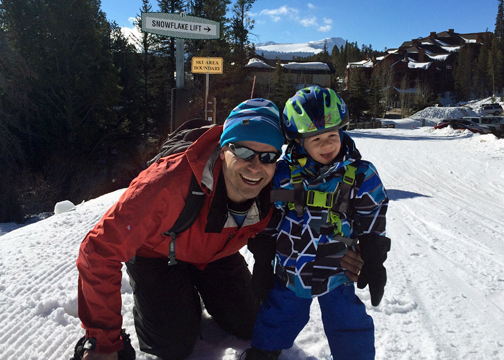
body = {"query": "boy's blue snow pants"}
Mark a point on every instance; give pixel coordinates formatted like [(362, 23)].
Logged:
[(349, 329)]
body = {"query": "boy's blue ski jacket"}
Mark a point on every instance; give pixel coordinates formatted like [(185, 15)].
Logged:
[(310, 263)]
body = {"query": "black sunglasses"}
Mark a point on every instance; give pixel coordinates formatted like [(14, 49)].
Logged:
[(267, 157)]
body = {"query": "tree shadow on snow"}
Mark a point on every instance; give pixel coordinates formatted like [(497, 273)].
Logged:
[(401, 194)]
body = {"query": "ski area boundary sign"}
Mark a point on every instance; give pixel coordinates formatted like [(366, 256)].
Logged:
[(207, 65), (180, 26)]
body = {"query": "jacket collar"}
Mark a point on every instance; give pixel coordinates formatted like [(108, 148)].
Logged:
[(203, 157)]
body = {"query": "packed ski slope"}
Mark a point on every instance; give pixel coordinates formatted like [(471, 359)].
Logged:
[(445, 293)]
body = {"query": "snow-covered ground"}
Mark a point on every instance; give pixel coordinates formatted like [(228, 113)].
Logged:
[(445, 293)]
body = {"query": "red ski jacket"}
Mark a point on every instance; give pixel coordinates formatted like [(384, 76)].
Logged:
[(136, 223)]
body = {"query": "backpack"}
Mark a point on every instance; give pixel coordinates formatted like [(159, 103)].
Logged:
[(176, 142), (180, 139)]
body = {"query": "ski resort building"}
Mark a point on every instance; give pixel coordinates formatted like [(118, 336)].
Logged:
[(420, 62), (302, 73)]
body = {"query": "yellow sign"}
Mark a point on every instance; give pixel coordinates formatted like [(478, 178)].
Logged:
[(207, 65)]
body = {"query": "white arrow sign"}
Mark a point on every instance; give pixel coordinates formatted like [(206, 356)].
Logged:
[(180, 26)]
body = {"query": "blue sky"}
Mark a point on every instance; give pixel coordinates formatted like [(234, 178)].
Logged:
[(379, 23)]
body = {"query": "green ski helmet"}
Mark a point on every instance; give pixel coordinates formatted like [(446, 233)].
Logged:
[(312, 111)]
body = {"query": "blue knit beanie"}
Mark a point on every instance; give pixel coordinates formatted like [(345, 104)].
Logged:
[(254, 120)]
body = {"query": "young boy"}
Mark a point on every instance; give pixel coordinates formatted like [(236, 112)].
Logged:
[(327, 200)]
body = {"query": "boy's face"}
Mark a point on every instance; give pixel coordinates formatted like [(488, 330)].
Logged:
[(323, 148)]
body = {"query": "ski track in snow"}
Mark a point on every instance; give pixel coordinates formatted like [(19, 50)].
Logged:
[(445, 293)]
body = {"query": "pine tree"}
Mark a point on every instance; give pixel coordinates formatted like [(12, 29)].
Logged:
[(481, 74), (323, 56), (72, 88), (499, 24), (357, 96), (155, 75), (405, 97), (241, 25), (14, 107), (386, 76), (166, 45), (496, 58), (375, 98), (496, 67), (283, 86), (463, 73)]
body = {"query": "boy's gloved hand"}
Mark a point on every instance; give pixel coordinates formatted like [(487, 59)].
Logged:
[(264, 249), (374, 250)]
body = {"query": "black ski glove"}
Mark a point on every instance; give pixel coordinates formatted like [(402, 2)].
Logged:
[(373, 250), (264, 249)]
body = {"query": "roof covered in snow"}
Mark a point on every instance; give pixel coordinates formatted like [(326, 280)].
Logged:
[(419, 65), (257, 63), (307, 66), (439, 57), (260, 63)]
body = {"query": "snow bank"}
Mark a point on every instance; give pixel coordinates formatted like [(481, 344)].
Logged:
[(63, 207), (437, 113)]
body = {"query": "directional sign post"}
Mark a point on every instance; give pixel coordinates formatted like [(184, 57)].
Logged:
[(207, 65), (180, 27)]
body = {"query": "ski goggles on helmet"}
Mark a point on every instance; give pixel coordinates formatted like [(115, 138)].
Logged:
[(243, 152)]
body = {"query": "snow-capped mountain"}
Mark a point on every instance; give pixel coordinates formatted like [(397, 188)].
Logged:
[(272, 50)]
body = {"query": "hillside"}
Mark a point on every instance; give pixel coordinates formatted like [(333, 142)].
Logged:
[(272, 50)]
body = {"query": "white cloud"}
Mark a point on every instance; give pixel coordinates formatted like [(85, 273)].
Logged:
[(325, 28), (310, 21), (283, 11), (132, 20)]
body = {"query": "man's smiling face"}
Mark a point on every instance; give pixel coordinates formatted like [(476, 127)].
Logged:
[(245, 179)]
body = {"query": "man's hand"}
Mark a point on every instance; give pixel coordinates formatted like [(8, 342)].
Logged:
[(91, 355), (352, 261)]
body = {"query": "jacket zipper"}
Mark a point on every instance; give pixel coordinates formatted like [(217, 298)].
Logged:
[(228, 239)]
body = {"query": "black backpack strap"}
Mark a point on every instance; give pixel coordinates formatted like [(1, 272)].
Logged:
[(187, 217)]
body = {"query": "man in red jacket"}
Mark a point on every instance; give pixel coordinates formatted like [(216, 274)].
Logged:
[(234, 165)]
